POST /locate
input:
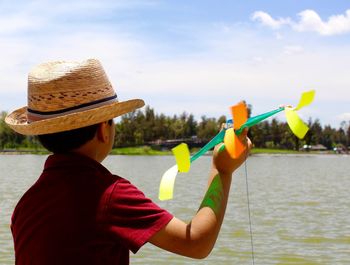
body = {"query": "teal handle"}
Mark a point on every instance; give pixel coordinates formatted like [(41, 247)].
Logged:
[(216, 140), (254, 120), (220, 136)]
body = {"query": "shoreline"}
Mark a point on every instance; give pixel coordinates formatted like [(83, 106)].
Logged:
[(148, 151)]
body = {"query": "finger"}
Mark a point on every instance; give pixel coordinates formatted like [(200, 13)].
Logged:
[(221, 148), (243, 134), (248, 146), (285, 106), (223, 126), (249, 143)]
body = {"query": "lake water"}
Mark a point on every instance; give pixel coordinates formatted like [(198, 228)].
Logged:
[(300, 209)]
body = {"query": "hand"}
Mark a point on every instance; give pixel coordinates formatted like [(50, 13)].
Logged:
[(224, 163)]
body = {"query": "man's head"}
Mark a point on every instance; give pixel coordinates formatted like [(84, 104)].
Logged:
[(69, 104)]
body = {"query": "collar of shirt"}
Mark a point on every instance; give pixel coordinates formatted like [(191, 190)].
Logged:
[(74, 160)]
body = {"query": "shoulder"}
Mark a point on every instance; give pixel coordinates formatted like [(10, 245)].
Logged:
[(124, 197), (123, 191)]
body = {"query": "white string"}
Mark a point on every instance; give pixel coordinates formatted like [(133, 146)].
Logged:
[(248, 204)]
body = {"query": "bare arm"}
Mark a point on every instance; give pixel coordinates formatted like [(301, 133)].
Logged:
[(197, 239)]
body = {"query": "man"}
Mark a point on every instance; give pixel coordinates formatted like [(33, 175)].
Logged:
[(80, 213)]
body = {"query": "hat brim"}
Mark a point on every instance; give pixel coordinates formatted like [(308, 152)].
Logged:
[(18, 120)]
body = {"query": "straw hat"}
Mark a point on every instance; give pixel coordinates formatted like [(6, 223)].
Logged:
[(68, 95)]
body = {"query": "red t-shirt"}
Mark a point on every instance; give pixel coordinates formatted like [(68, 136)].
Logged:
[(79, 213)]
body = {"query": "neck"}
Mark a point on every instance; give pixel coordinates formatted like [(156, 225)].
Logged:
[(91, 150)]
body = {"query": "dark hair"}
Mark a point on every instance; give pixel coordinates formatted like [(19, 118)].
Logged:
[(63, 142)]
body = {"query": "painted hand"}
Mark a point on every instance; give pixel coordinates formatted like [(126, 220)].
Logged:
[(224, 163)]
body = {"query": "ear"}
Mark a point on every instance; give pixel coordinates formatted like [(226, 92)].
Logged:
[(102, 132)]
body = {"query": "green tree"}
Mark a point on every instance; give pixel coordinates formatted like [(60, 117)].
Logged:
[(161, 127), (190, 126), (345, 126), (125, 130), (327, 138), (177, 128), (276, 132), (9, 138), (314, 134), (207, 128)]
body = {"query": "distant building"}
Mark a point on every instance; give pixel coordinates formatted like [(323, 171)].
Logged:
[(194, 141), (317, 147), (340, 149)]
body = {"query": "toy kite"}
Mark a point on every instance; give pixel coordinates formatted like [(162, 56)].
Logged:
[(229, 136)]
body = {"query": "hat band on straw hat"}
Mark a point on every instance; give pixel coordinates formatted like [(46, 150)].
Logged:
[(67, 95), (35, 115)]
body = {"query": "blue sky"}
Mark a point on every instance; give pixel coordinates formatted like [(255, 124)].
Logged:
[(195, 56)]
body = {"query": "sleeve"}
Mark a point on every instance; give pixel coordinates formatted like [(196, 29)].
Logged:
[(132, 217)]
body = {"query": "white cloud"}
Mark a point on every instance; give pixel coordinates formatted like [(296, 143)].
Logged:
[(18, 22), (258, 59), (290, 50), (203, 83), (309, 21), (267, 20), (39, 15), (344, 117), (278, 36), (220, 68)]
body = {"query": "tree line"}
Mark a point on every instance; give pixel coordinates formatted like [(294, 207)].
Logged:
[(145, 127)]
